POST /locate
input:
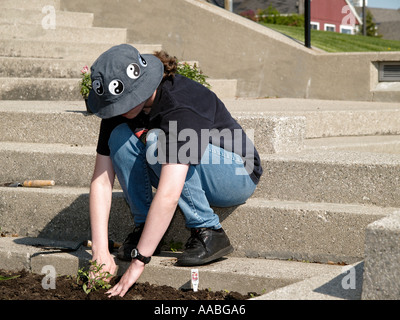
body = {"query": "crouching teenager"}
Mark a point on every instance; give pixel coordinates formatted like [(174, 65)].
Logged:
[(160, 129)]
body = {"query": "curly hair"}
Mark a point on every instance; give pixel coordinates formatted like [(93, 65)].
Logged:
[(170, 63)]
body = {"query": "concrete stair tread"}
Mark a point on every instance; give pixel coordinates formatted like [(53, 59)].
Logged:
[(54, 148), (332, 176), (326, 118), (63, 33), (231, 273), (341, 157), (36, 67), (376, 144), (13, 88), (300, 106), (32, 4), (68, 122), (62, 49), (312, 175), (34, 17), (325, 286), (260, 228), (26, 67)]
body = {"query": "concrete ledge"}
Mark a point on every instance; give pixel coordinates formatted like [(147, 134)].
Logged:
[(31, 4), (315, 176), (382, 259), (68, 88), (274, 134), (37, 32), (332, 176), (62, 49), (234, 274), (259, 228), (35, 17), (328, 118), (343, 285), (50, 122)]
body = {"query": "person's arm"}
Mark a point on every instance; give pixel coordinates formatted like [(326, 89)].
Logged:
[(160, 214), (99, 206)]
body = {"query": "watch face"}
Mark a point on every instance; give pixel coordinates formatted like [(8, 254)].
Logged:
[(134, 253)]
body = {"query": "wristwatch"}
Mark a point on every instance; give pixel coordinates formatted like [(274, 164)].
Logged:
[(136, 255)]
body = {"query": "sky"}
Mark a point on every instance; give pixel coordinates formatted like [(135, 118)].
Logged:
[(387, 4)]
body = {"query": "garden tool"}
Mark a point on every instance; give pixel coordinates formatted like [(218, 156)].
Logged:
[(31, 183), (112, 245)]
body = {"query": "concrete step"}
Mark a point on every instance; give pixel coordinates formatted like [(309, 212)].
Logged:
[(328, 176), (346, 284), (233, 274), (39, 89), (51, 122), (37, 17), (68, 165), (67, 122), (68, 89), (260, 228), (62, 49), (326, 118), (332, 176), (29, 4), (38, 33), (374, 144), (41, 68)]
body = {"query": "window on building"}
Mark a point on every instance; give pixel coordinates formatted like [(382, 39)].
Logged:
[(330, 27), (315, 25), (346, 30)]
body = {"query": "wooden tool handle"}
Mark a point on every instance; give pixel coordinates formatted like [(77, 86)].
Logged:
[(111, 244), (38, 183)]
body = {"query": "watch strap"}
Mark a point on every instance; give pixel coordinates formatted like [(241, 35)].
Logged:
[(135, 254)]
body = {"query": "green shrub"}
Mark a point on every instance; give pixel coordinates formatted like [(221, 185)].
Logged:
[(193, 72)]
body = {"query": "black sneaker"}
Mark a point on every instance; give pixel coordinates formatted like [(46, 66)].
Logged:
[(131, 242), (205, 245)]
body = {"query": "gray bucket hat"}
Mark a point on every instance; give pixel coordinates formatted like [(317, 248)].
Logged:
[(122, 79)]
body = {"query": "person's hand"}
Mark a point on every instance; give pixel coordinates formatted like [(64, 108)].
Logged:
[(108, 263), (128, 279)]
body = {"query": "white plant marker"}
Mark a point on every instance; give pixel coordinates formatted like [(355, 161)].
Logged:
[(195, 279)]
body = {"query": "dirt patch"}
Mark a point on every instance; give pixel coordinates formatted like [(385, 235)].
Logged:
[(28, 286)]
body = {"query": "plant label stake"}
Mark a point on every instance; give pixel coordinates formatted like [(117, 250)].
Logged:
[(195, 279)]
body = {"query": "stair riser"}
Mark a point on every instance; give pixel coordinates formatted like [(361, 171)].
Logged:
[(331, 182), (67, 89), (30, 4), (255, 230), (302, 181), (271, 134), (291, 232), (66, 169), (326, 118), (74, 127), (39, 89), (41, 68), (89, 35), (37, 17), (58, 50)]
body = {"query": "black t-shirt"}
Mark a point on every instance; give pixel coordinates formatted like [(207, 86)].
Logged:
[(191, 116)]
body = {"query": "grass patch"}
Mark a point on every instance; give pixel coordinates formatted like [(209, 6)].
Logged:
[(338, 42)]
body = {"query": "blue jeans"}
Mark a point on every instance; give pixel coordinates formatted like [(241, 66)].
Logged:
[(213, 182)]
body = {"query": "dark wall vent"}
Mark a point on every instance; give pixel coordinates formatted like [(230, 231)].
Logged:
[(389, 71)]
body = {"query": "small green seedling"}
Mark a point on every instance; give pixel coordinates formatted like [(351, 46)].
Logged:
[(2, 278), (175, 246), (99, 280)]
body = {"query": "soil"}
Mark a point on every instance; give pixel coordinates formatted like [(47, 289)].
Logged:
[(28, 286)]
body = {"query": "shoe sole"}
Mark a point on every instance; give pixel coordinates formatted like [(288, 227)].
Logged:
[(215, 256)]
